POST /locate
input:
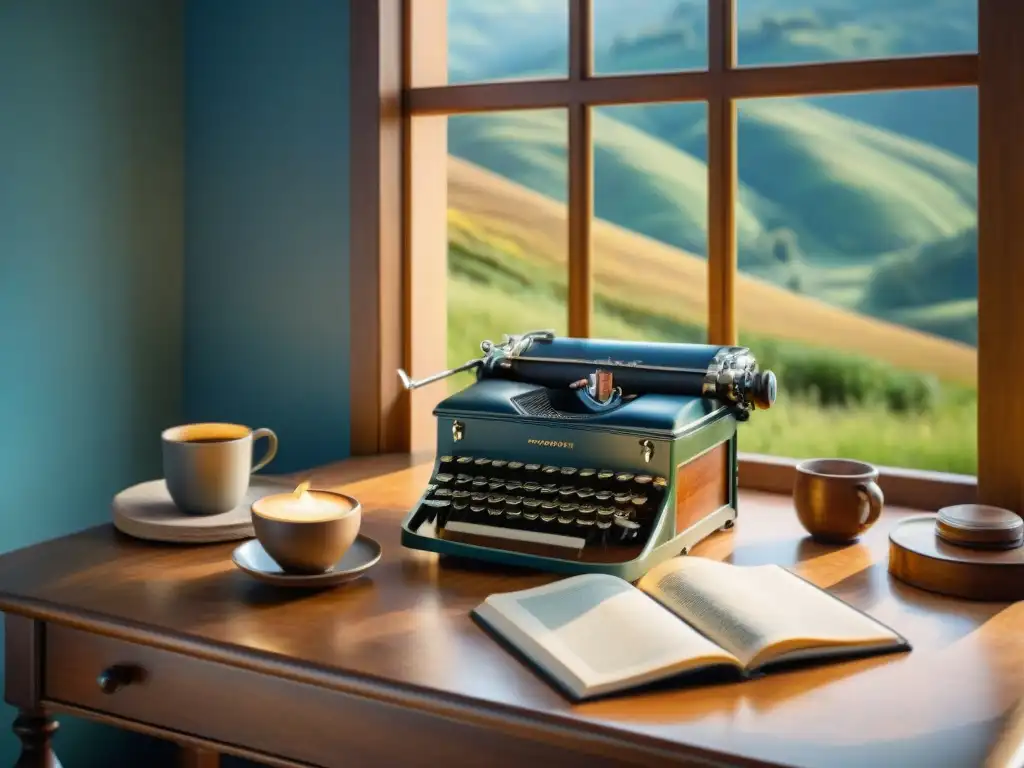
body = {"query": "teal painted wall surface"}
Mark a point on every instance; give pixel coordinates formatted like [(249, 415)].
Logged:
[(91, 136), (267, 227)]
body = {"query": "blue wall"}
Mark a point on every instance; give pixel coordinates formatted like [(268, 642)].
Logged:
[(90, 277), (267, 215)]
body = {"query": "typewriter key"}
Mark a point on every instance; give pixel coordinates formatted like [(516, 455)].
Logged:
[(639, 501), (495, 484), (477, 508), (568, 509), (605, 474), (588, 510), (566, 520), (603, 495), (604, 525), (460, 494), (482, 462), (464, 460), (623, 498), (548, 511), (436, 503), (627, 526), (513, 501), (567, 490), (642, 479), (479, 497), (513, 513), (531, 503), (530, 515), (495, 498), (494, 511), (585, 493), (624, 477), (463, 479), (605, 513), (532, 467), (550, 470), (513, 485), (447, 459), (444, 477), (515, 466), (548, 490), (661, 482), (479, 482), (443, 492), (498, 463), (587, 472), (531, 487), (459, 505), (568, 470)]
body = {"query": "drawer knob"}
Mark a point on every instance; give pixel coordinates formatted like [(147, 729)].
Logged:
[(116, 677)]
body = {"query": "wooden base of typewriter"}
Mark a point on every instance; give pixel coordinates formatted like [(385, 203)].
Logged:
[(619, 522)]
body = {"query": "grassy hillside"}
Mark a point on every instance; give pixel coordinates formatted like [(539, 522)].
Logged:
[(823, 199), (506, 274)]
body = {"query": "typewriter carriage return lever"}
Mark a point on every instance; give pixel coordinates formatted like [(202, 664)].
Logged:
[(583, 455)]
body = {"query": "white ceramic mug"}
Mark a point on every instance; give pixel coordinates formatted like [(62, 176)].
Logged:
[(207, 466)]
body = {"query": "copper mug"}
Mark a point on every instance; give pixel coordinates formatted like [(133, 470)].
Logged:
[(837, 500)]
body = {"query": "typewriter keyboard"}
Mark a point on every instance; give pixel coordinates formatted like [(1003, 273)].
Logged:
[(567, 508)]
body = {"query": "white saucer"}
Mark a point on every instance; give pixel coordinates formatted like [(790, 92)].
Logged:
[(254, 560), (146, 511)]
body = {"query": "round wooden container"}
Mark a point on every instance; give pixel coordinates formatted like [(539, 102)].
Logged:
[(986, 564)]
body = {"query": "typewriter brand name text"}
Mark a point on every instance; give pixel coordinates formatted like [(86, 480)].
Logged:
[(550, 443)]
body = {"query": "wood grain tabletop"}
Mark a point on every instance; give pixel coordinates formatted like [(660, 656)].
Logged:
[(403, 634)]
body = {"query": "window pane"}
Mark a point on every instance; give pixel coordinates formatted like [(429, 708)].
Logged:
[(649, 240), (649, 36), (492, 40), (507, 228), (861, 287), (786, 32)]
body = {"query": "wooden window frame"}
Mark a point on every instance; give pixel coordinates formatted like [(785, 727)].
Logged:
[(397, 290)]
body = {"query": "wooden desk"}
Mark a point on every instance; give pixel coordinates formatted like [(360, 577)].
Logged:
[(392, 671)]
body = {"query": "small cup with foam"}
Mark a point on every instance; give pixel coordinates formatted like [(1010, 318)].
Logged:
[(306, 531)]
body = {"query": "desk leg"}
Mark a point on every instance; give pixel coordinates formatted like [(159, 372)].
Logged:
[(35, 729), (195, 757)]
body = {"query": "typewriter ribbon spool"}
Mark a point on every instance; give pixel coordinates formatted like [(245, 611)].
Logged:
[(587, 455)]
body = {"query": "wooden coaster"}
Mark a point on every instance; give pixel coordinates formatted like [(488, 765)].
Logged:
[(980, 526), (919, 556), (146, 511)]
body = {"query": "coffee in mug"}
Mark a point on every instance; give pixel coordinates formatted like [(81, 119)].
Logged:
[(306, 531), (207, 466), (837, 500)]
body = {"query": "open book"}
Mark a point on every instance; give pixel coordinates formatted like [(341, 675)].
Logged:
[(597, 634)]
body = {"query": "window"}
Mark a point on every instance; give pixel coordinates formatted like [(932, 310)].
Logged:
[(799, 178)]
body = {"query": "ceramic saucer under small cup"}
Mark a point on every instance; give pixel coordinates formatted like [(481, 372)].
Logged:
[(254, 560)]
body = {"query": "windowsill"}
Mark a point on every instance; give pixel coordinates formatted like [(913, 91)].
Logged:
[(913, 488)]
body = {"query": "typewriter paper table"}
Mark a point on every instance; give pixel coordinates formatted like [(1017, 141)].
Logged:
[(392, 671)]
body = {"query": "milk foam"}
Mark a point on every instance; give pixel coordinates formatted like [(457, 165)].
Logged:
[(308, 507)]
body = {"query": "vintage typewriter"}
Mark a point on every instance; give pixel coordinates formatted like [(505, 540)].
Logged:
[(582, 455)]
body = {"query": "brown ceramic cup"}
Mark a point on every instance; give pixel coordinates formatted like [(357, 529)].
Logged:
[(837, 500), (307, 534)]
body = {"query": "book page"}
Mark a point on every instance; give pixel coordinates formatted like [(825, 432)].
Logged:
[(598, 632), (760, 613)]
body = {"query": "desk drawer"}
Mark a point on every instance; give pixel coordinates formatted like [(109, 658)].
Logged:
[(276, 717)]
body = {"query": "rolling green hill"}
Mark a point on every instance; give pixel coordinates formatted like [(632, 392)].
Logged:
[(836, 192)]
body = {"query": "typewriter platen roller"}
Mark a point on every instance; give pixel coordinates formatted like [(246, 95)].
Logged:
[(583, 455)]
